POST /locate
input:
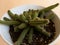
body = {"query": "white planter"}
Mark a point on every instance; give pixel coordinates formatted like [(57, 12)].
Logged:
[(4, 30)]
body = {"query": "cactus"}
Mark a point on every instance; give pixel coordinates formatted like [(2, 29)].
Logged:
[(29, 20), (38, 21)]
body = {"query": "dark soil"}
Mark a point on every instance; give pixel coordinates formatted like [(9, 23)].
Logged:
[(38, 38)]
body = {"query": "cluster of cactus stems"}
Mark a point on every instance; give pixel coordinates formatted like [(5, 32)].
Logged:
[(28, 21)]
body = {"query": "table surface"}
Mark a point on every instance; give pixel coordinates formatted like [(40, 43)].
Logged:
[(8, 4)]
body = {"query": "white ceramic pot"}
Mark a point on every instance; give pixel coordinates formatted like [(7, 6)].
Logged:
[(4, 30)]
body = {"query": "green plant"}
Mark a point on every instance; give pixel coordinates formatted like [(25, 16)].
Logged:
[(28, 21)]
